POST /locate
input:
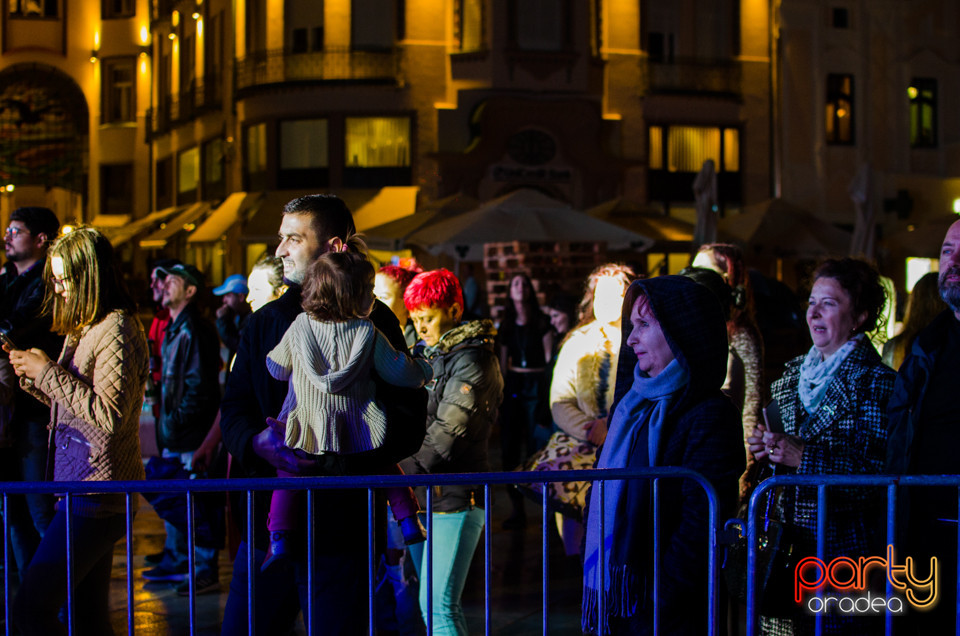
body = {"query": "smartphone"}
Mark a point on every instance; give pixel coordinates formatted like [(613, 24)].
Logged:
[(771, 417), (5, 339)]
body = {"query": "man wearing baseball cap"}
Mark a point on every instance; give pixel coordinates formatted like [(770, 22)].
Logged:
[(233, 313), (189, 401)]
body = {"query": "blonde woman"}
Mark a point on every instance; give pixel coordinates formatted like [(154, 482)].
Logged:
[(95, 393), (585, 374)]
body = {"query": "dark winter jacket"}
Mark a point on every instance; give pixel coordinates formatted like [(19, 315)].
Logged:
[(21, 299), (702, 432), (909, 390), (190, 383), (464, 397)]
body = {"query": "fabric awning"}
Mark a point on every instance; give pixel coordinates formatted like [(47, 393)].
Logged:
[(159, 238), (120, 235), (392, 202), (220, 220)]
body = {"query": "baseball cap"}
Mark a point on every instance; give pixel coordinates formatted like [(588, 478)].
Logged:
[(236, 284), (189, 273)]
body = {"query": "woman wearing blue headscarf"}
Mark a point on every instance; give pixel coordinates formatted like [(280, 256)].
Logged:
[(668, 411)]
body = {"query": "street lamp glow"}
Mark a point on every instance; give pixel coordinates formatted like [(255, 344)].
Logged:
[(912, 92), (956, 206)]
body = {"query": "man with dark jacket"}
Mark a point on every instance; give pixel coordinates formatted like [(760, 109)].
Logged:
[(310, 226), (26, 240), (189, 400), (924, 434)]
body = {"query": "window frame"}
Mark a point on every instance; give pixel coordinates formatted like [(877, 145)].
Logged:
[(918, 105), (289, 178), (107, 13), (836, 97), (108, 88), (112, 184), (379, 176)]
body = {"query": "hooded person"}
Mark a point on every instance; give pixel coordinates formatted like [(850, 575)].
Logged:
[(668, 410)]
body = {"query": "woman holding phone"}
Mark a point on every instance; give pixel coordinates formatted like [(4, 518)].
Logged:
[(832, 404), (95, 392)]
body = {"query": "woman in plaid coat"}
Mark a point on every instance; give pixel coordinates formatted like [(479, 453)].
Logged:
[(832, 403)]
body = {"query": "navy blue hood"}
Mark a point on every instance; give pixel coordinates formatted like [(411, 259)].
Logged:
[(692, 322)]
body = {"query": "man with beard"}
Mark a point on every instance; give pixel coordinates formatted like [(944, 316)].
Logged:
[(26, 240), (924, 435)]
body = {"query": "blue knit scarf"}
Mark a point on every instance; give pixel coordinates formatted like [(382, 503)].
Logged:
[(639, 417)]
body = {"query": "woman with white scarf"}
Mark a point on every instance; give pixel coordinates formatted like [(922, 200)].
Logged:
[(832, 403), (668, 410)]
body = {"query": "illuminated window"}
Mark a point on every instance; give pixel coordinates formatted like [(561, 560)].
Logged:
[(304, 153), (923, 112), (378, 142), (469, 19), (839, 110), (118, 9), (188, 171), (687, 147), (377, 151), (34, 8), (119, 90), (255, 157)]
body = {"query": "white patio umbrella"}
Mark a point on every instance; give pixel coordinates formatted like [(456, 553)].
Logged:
[(523, 215)]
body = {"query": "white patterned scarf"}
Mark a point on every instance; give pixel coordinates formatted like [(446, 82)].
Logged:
[(816, 373)]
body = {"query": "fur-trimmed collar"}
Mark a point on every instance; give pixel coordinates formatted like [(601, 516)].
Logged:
[(475, 329)]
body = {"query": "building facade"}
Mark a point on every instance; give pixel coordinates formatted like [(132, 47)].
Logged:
[(183, 126)]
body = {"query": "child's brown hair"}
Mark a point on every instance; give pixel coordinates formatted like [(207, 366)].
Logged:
[(339, 285)]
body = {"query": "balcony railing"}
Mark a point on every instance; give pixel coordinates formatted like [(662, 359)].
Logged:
[(720, 77), (209, 94), (330, 65)]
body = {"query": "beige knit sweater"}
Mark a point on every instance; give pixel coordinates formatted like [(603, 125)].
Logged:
[(96, 393), (330, 406)]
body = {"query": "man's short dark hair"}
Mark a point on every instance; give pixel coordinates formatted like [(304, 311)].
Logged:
[(330, 216), (38, 220)]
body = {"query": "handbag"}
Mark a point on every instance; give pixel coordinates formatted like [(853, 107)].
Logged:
[(562, 452), (777, 556)]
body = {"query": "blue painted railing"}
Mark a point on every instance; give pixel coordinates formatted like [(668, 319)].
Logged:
[(822, 483), (190, 487)]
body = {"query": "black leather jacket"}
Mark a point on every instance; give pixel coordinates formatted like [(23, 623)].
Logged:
[(463, 400), (190, 384)]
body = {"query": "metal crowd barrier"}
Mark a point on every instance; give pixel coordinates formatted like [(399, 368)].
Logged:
[(822, 483), (310, 484)]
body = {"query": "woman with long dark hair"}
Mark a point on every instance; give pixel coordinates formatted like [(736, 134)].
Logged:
[(526, 346), (95, 393)]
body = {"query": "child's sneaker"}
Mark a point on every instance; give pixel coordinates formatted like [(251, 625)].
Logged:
[(280, 548), (412, 530)]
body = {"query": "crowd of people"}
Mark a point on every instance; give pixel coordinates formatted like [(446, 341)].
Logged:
[(316, 364)]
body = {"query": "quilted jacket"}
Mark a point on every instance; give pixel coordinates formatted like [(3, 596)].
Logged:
[(95, 391)]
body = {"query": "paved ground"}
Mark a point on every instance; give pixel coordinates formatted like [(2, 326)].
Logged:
[(515, 600)]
